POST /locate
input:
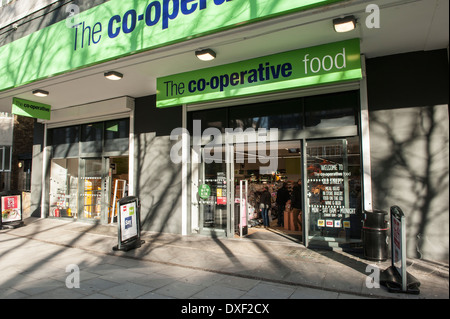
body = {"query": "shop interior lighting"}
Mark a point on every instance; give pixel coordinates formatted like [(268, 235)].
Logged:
[(205, 54), (344, 24), (113, 75), (40, 93)]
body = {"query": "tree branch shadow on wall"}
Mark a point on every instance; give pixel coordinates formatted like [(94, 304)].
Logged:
[(410, 172)]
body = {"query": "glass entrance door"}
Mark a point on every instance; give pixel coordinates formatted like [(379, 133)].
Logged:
[(227, 193), (274, 167), (333, 193), (91, 192), (103, 181), (212, 192)]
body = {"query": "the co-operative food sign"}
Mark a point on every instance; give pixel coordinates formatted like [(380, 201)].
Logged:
[(324, 64)]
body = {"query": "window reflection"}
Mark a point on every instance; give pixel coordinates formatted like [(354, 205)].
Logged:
[(331, 110), (321, 111), (286, 114)]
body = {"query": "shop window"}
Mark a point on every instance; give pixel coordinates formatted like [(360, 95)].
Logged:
[(331, 110), (116, 134), (64, 187), (284, 114), (64, 141), (91, 183), (334, 189), (215, 118), (91, 138), (321, 111), (5, 158)]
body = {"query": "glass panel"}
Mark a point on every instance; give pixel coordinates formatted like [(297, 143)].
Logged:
[(117, 134), (118, 171), (282, 216), (65, 141), (7, 162), (284, 114), (216, 118), (92, 189), (91, 138), (1, 157), (331, 110), (213, 188), (334, 189), (63, 188)]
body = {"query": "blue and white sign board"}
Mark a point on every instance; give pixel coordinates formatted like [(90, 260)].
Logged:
[(128, 224)]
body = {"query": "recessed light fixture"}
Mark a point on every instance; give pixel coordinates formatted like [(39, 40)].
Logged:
[(205, 54), (40, 93), (113, 75), (344, 24)]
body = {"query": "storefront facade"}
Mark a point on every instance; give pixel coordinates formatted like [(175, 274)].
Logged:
[(198, 142)]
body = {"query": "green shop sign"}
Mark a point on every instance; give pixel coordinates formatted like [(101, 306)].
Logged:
[(31, 109), (120, 28), (330, 63)]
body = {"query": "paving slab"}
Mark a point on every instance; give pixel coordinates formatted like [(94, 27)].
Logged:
[(172, 266)]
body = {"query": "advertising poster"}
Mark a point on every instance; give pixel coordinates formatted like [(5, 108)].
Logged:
[(11, 208), (221, 190), (128, 221)]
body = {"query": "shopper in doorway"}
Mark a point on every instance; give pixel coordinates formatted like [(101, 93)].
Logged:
[(296, 204), (282, 197), (265, 206)]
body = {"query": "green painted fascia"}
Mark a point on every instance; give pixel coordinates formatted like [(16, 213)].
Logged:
[(51, 51)]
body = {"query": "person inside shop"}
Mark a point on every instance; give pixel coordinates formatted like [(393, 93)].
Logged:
[(265, 203), (296, 204), (282, 197), (316, 195)]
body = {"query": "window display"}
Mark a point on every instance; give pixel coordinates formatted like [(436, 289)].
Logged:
[(63, 188), (334, 189)]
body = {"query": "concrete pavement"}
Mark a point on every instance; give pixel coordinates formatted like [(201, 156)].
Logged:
[(43, 259)]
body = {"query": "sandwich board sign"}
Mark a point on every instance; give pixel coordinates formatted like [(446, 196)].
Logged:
[(396, 278), (11, 209), (398, 237), (129, 228)]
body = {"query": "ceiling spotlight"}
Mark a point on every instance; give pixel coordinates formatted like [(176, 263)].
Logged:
[(113, 75), (40, 93), (345, 24), (205, 54)]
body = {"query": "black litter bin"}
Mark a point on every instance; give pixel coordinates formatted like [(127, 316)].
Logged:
[(375, 235)]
